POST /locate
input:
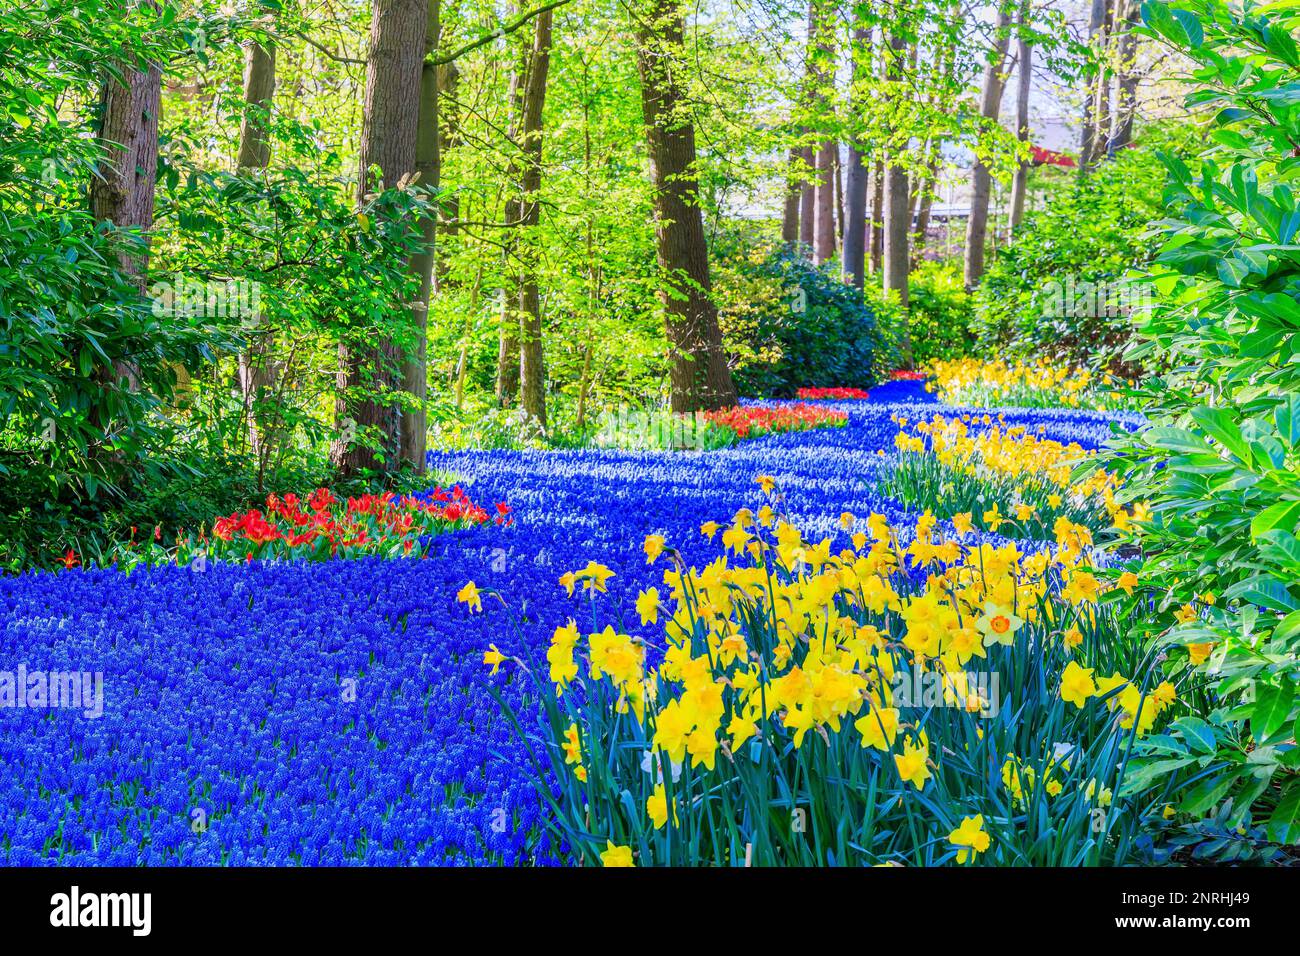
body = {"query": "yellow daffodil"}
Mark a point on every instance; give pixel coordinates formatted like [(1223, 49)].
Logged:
[(469, 596), (969, 838), (1077, 684), (616, 855)]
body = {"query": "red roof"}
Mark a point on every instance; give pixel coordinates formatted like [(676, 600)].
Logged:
[(1045, 157)]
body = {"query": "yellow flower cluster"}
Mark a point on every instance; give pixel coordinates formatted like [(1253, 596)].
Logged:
[(1038, 468), (969, 381), (819, 665)]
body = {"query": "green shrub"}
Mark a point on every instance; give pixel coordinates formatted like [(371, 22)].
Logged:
[(1220, 462), (1035, 297), (789, 324), (940, 313)]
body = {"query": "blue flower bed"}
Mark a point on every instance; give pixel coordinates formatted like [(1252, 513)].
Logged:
[(340, 713)]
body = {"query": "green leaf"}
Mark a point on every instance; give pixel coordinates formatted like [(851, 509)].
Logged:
[(1273, 704), (1197, 732), (1284, 515), (1287, 419), (1222, 426), (1206, 794), (1284, 824)]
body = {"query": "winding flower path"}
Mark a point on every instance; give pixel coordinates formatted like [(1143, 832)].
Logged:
[(340, 712)]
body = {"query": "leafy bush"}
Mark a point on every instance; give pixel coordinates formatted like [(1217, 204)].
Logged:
[(789, 324), (1220, 463), (940, 313), (1038, 296)]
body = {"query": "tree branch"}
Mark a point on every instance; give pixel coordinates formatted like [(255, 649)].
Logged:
[(487, 38)]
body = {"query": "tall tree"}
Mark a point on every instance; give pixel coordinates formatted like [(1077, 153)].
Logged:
[(255, 367), (389, 131), (122, 188), (428, 167), (1024, 81), (855, 180), (790, 201), (1126, 93), (698, 368), (821, 73), (807, 202), (897, 210), (1088, 146), (524, 209), (981, 183), (508, 362)]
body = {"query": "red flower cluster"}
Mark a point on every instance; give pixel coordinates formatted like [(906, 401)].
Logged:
[(834, 393), (324, 527), (751, 421), (908, 375)]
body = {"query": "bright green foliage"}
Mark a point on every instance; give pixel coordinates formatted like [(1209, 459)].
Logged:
[(940, 313), (1220, 464), (1034, 300)]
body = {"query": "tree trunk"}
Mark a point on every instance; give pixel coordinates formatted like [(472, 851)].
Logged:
[(923, 201), (448, 139), (389, 131), (790, 206), (855, 219), (508, 360), (532, 373), (897, 232), (821, 53), (255, 371), (981, 180), (698, 370), (122, 188), (807, 204), (1025, 56), (1126, 101), (897, 203), (824, 228), (1096, 37), (876, 231), (428, 166)]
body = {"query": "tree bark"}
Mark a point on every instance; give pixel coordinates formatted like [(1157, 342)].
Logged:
[(854, 262), (897, 232), (122, 188), (428, 166), (981, 179), (1126, 99), (698, 368), (1025, 57), (876, 230), (821, 52), (807, 204), (508, 361), (255, 371), (855, 219), (790, 205), (897, 203), (1096, 39), (532, 372), (389, 131)]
